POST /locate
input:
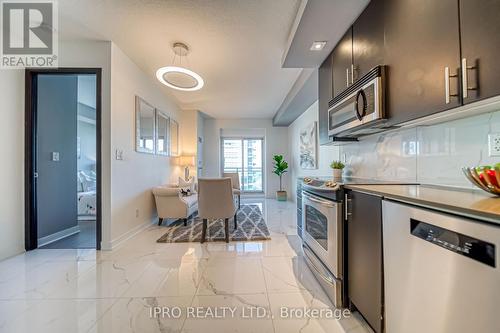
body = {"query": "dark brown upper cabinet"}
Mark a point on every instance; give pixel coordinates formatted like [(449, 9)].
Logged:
[(342, 64), (324, 96), (422, 52), (480, 33), (368, 39)]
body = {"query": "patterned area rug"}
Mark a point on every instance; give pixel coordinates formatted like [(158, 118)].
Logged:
[(251, 226)]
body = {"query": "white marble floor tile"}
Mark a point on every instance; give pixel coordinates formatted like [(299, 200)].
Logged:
[(280, 216), (288, 318), (39, 282), (75, 255), (168, 277), (232, 276), (133, 315), (234, 249), (114, 291), (26, 262), (53, 315), (177, 250), (284, 274), (230, 313), (283, 246), (10, 310), (278, 246), (106, 279)]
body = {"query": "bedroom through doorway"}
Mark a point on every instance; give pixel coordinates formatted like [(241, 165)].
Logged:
[(64, 190)]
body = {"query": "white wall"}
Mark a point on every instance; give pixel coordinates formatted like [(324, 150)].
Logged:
[(12, 167), (275, 143), (133, 178), (188, 129), (200, 139), (326, 154)]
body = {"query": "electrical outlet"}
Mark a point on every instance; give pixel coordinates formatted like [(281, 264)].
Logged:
[(494, 144)]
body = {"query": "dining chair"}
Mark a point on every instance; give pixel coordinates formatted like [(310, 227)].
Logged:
[(235, 180), (215, 201)]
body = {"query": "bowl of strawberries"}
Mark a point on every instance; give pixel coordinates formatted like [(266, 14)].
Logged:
[(485, 177)]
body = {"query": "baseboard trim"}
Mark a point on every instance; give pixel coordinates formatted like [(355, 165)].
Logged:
[(113, 244), (58, 235)]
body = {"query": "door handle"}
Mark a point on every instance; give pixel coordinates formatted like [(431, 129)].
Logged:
[(447, 77), (465, 78)]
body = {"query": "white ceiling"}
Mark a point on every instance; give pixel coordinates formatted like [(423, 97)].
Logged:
[(319, 20), (236, 46)]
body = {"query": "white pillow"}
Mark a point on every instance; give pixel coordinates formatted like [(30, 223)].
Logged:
[(190, 184)]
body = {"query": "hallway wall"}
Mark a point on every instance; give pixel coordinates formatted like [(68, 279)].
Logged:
[(132, 203), (12, 168)]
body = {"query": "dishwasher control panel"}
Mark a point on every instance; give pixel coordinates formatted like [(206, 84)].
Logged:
[(470, 247)]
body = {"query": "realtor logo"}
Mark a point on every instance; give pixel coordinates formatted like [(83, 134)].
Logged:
[(29, 33)]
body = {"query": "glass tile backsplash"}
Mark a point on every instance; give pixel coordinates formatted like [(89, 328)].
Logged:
[(431, 154)]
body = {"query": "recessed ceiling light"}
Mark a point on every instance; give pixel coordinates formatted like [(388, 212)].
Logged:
[(318, 46)]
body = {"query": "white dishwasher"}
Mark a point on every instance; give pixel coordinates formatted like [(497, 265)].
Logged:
[(441, 272)]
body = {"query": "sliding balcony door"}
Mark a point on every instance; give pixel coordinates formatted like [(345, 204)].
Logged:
[(245, 156)]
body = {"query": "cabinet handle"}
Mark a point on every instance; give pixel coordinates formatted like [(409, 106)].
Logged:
[(353, 69), (347, 77), (447, 77), (465, 78)]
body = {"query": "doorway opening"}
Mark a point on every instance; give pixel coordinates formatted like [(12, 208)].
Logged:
[(63, 158), (245, 156)]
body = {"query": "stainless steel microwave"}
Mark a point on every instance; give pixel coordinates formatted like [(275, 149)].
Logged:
[(359, 110)]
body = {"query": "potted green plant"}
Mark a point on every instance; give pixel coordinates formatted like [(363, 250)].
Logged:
[(337, 167), (280, 167)]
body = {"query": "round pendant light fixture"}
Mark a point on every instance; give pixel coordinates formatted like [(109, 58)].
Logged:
[(177, 76)]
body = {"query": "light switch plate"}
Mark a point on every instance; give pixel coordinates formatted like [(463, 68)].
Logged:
[(119, 155), (55, 156), (494, 144)]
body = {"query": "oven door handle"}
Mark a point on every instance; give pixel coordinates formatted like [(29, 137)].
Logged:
[(318, 200)]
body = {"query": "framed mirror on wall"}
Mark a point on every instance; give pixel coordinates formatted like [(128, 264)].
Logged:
[(144, 126), (162, 133), (174, 138)]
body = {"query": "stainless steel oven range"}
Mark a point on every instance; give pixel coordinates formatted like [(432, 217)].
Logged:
[(322, 226), (324, 232)]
